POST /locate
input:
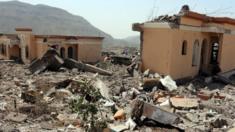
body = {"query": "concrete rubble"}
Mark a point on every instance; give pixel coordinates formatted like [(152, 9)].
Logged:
[(58, 100)]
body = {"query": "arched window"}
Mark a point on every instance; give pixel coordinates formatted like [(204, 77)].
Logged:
[(70, 52), (196, 53), (184, 48), (62, 52), (203, 51)]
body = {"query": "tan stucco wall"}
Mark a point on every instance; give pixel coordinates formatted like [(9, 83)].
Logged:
[(89, 52), (227, 53), (28, 43), (14, 51), (156, 50), (181, 65)]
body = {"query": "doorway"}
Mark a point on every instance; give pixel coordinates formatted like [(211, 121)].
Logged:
[(62, 52), (203, 56), (215, 55), (70, 53)]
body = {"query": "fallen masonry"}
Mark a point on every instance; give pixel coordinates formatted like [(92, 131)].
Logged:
[(59, 98)]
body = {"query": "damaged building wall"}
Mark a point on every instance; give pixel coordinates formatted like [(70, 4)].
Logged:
[(227, 55), (89, 52), (14, 51), (190, 21), (181, 61), (33, 48), (156, 49), (30, 46), (26, 45)]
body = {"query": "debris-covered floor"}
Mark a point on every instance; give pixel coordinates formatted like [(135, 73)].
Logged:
[(71, 100)]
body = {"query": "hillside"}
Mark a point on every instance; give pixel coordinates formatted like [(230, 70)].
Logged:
[(46, 20)]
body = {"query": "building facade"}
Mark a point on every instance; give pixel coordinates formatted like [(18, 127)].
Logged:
[(187, 43), (26, 46)]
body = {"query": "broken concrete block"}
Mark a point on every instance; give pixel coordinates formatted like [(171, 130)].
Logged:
[(151, 112), (109, 104), (104, 90), (16, 117), (131, 124), (219, 123), (68, 119), (192, 117), (156, 75), (3, 106), (146, 73), (71, 63), (63, 93), (50, 60), (169, 83), (119, 115), (118, 128), (184, 103)]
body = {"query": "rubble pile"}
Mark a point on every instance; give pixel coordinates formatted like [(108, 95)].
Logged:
[(73, 100)]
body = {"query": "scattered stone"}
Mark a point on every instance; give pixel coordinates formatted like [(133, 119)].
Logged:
[(146, 73), (169, 83), (192, 117), (184, 103), (68, 119), (131, 124), (16, 117), (219, 123), (118, 128), (119, 115), (3, 106)]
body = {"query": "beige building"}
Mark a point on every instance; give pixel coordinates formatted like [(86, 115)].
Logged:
[(26, 46), (187, 43)]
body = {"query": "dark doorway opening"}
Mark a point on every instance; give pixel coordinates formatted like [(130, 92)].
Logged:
[(214, 50), (62, 52), (215, 55), (203, 55), (70, 52)]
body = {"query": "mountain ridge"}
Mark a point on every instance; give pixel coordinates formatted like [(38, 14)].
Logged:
[(47, 20)]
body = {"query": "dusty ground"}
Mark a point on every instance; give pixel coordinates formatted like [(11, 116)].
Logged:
[(53, 113)]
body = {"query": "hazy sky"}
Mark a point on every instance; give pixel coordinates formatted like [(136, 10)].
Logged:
[(116, 16)]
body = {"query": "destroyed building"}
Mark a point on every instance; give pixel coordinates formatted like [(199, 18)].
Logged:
[(186, 44), (26, 46)]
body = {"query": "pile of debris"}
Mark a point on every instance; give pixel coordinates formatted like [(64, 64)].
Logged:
[(56, 98), (51, 60)]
